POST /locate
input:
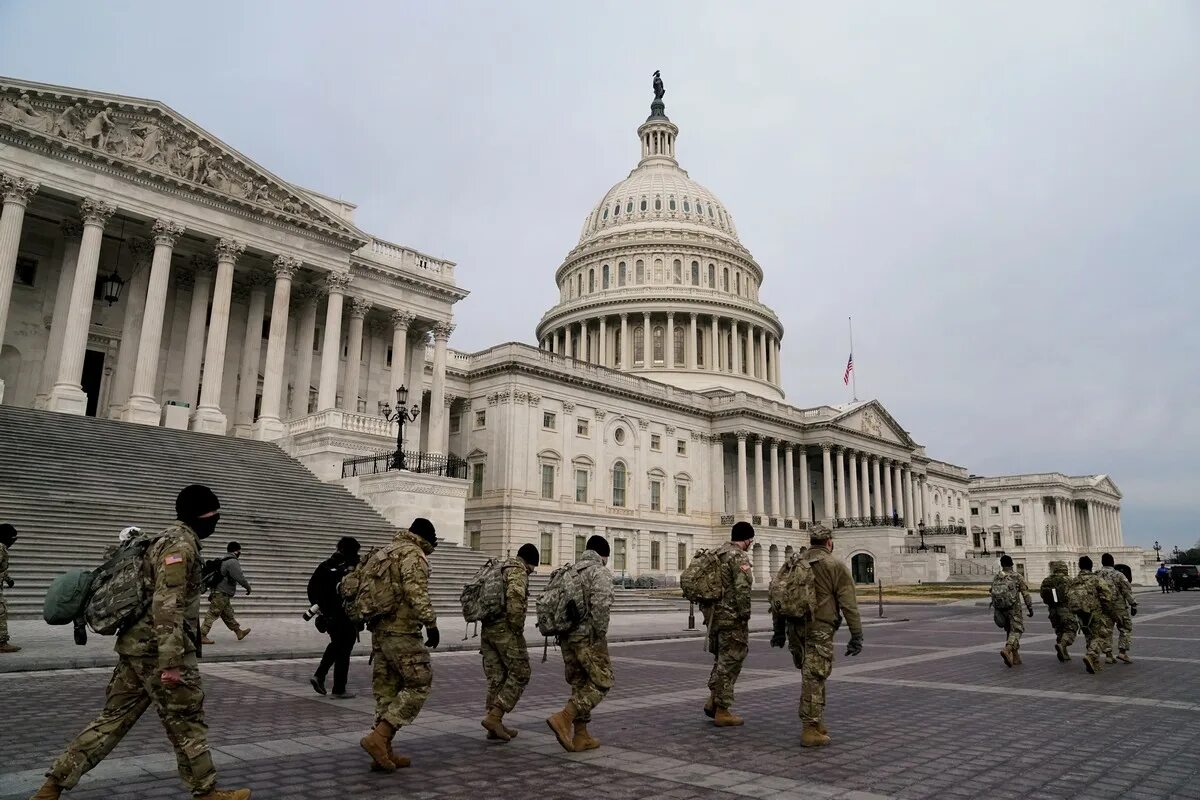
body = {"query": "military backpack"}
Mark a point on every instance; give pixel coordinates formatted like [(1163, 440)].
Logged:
[(121, 588), (1005, 593), (1054, 591), (210, 573), (703, 580), (792, 592), (483, 597), (67, 597), (562, 605), (1081, 596), (364, 590)]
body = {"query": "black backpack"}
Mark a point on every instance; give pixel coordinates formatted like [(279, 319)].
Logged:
[(210, 573)]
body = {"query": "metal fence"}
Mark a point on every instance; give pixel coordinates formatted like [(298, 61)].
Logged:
[(411, 461)]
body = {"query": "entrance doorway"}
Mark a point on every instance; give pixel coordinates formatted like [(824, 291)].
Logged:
[(93, 373), (862, 568)]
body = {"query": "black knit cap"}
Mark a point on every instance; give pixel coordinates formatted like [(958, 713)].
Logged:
[(741, 532), (529, 554), (1085, 562), (7, 534), (424, 528), (598, 545), (195, 501)]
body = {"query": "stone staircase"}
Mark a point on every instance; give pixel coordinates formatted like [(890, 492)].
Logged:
[(70, 484)]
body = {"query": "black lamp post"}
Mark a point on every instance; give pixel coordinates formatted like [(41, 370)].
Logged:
[(1157, 551), (1177, 552), (921, 529), (400, 415)]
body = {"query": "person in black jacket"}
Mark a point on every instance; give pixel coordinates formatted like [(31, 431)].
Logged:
[(343, 634)]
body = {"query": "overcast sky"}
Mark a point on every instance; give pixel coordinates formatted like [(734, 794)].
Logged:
[(1004, 195)]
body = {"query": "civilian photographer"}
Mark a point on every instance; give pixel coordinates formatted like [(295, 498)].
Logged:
[(332, 619)]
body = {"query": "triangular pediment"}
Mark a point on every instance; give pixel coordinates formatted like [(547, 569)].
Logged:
[(150, 139), (870, 418), (1106, 484)]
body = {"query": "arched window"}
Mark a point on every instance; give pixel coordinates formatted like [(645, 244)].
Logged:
[(643, 204), (712, 275), (591, 281), (619, 479), (629, 207), (579, 285), (639, 345), (659, 346), (617, 210), (605, 215), (658, 270), (710, 214), (725, 278), (671, 204), (695, 273), (640, 272), (699, 208), (687, 207), (604, 277), (657, 203), (621, 274), (678, 345), (678, 271)]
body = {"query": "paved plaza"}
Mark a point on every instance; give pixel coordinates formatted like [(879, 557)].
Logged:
[(928, 710)]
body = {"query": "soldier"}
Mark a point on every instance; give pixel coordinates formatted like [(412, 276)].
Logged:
[(585, 652), (728, 622), (1092, 599), (811, 641), (158, 663), (1125, 610), (8, 537), (502, 645), (1054, 595), (1010, 582), (220, 602), (397, 578)]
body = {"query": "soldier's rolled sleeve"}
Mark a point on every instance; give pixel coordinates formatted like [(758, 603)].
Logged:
[(173, 564), (847, 600), (414, 577), (516, 582), (601, 601)]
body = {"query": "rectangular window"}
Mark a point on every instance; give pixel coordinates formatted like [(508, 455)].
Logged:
[(619, 555), (681, 556), (1016, 509), (389, 357), (655, 556), (681, 498), (549, 420), (580, 544), (581, 427), (547, 549), (581, 486), (681, 447), (318, 339), (455, 423), (655, 442), (26, 272), (547, 481), (474, 536), (974, 512), (995, 509), (996, 539), (1018, 540), (656, 495), (480, 419), (477, 480), (1020, 566)]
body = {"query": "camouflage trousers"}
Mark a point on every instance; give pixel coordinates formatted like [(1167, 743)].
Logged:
[(1014, 624), (1096, 628), (134, 687), (220, 606), (589, 671), (505, 664), (3, 618), (729, 646), (812, 653), (1124, 625), (401, 675), (1066, 625)]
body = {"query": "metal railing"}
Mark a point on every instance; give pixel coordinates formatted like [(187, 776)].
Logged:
[(426, 463), (870, 522), (929, 548), (946, 530)]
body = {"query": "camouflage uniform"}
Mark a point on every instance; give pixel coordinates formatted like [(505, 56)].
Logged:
[(401, 672), (220, 601), (729, 623), (3, 602), (585, 650), (1062, 618), (165, 638), (1014, 622), (1121, 617), (811, 641), (502, 642), (1094, 622)]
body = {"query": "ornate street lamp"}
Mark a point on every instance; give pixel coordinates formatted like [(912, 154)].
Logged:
[(921, 529), (110, 287), (400, 415), (1157, 551)]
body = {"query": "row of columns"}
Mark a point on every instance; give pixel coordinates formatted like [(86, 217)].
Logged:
[(711, 342)]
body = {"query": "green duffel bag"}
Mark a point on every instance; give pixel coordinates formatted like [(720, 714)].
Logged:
[(67, 597)]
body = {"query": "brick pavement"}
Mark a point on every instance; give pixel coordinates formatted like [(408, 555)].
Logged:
[(928, 710)]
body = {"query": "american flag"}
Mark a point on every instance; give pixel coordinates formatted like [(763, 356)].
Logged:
[(849, 369)]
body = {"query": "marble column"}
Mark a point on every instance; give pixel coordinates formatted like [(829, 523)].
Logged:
[(889, 502), (865, 477), (805, 488), (626, 351), (208, 417), (690, 350), (774, 456), (359, 307), (306, 334), (716, 469), (269, 425), (143, 406), (67, 395), (647, 343), (141, 250), (583, 354), (909, 507), (602, 343), (855, 513), (762, 354), (827, 474), (743, 485), (737, 347), (925, 501), (437, 396), (760, 502), (842, 511), (789, 477), (71, 231), (669, 347), (337, 284), (247, 388), (400, 322), (877, 486), (203, 268), (778, 366), (17, 193), (715, 354)]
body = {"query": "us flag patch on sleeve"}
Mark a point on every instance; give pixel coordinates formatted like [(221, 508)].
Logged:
[(169, 560)]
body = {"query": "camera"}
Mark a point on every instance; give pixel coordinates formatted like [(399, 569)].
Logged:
[(312, 611)]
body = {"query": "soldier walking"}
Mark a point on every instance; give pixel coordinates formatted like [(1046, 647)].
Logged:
[(1092, 599), (729, 624), (342, 631), (811, 640), (502, 645), (158, 663), (8, 537), (1064, 621), (1125, 610), (586, 662), (395, 599), (1008, 589), (220, 601)]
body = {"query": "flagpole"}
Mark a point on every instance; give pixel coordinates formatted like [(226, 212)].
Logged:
[(853, 372)]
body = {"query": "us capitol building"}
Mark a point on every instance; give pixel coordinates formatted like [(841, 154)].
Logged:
[(151, 273)]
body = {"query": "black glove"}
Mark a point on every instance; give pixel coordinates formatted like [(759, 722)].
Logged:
[(9, 582), (432, 637), (1133, 611), (80, 632), (1029, 611), (779, 635), (855, 646)]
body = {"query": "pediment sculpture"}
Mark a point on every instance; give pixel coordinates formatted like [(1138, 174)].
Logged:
[(870, 423)]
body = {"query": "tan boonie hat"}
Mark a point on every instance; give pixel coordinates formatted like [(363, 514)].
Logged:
[(819, 531)]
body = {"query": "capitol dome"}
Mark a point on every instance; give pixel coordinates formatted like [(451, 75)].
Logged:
[(660, 285)]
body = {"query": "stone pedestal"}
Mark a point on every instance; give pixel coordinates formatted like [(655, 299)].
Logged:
[(175, 417), (144, 411), (403, 496), (210, 420)]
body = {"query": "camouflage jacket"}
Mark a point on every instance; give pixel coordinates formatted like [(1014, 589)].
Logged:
[(516, 594), (1105, 595), (1015, 578), (408, 575), (834, 589), (733, 609), (170, 630), (3, 565), (1120, 584), (598, 594)]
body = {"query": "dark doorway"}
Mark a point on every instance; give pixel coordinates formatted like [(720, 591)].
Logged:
[(862, 566), (93, 373)]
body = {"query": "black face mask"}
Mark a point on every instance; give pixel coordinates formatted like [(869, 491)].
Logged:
[(204, 527)]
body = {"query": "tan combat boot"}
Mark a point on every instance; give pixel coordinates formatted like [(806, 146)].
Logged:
[(400, 761), (812, 736), (1124, 656), (1060, 651), (710, 706), (205, 640), (9, 648), (727, 719), (226, 794), (378, 744), (561, 723), (243, 633), (821, 727), (1016, 658), (493, 723), (1089, 663), (583, 740), (1007, 655), (50, 791)]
